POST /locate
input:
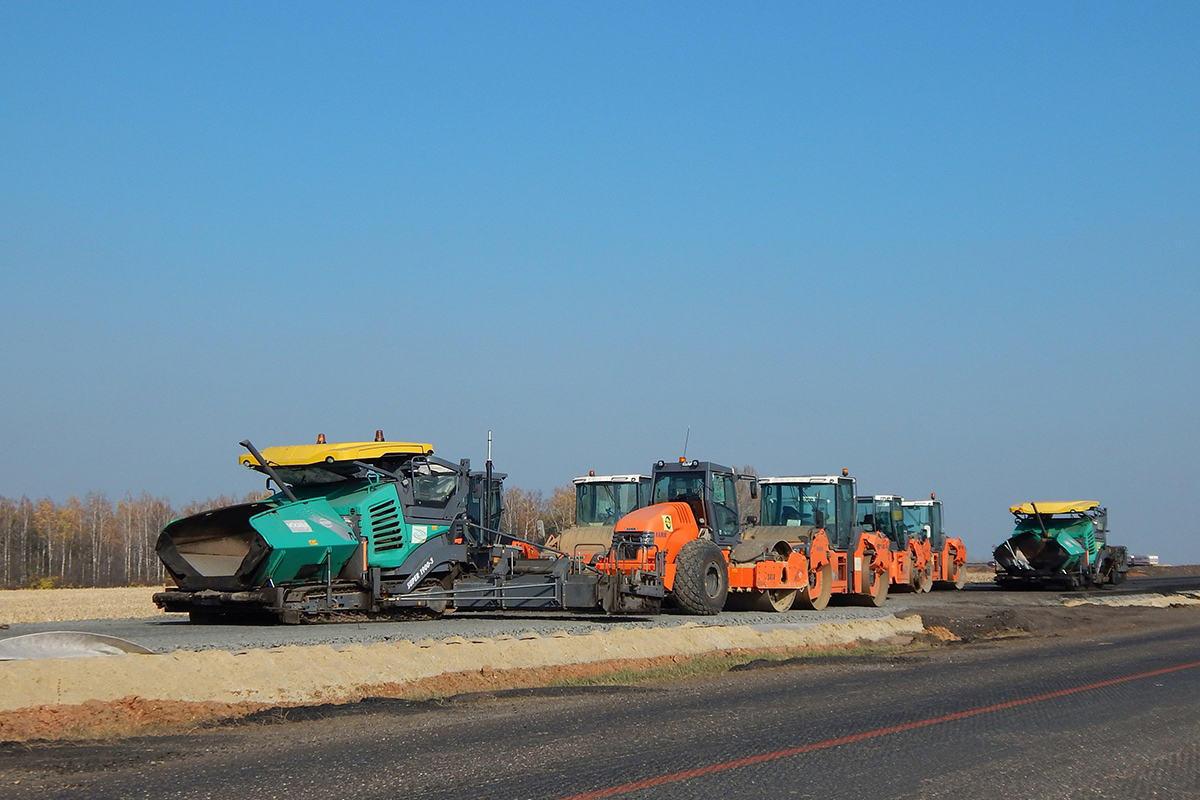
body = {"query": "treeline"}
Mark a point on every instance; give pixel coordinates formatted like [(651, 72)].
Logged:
[(88, 542), (93, 542)]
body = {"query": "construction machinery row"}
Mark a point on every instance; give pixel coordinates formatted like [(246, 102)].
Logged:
[(382, 528)]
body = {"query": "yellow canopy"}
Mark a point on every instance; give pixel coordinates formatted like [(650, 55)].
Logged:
[(300, 455), (1069, 507)]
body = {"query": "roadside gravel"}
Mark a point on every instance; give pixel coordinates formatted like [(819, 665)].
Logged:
[(169, 632)]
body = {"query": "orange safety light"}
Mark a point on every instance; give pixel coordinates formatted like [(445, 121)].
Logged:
[(379, 436), (320, 438), (682, 459), (932, 496), (845, 472), (591, 473)]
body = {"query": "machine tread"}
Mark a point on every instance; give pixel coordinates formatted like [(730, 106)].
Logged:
[(699, 560)]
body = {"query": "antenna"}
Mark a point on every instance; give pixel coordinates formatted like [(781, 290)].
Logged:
[(686, 436), (487, 491)]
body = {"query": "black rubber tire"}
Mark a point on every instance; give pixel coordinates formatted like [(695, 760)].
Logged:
[(701, 578)]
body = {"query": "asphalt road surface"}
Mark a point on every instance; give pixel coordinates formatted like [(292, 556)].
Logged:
[(1098, 711)]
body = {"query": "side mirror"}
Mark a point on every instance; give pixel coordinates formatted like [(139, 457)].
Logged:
[(754, 491)]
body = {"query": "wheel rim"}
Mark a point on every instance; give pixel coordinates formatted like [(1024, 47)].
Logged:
[(816, 596), (435, 605), (712, 581), (875, 591)]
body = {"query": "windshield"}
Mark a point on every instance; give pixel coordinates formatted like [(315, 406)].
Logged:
[(604, 503), (434, 490), (668, 488), (882, 516), (916, 518), (792, 504)]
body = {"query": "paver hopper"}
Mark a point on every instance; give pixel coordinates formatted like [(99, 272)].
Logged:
[(1060, 545)]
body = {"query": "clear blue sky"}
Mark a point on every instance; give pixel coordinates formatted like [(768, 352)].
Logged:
[(951, 246)]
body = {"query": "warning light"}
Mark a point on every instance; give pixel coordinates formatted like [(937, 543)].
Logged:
[(320, 438), (932, 496), (845, 472), (591, 473), (682, 460), (379, 436)]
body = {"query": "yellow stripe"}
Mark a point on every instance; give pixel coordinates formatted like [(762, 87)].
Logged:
[(1055, 508), (299, 455)]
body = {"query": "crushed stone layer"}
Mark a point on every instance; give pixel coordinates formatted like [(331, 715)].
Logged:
[(295, 674)]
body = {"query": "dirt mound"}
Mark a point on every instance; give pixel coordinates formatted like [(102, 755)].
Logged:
[(113, 718)]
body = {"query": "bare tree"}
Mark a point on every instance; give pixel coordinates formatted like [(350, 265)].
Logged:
[(522, 510), (560, 510)]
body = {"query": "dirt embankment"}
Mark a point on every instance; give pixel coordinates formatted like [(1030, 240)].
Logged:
[(47, 698)]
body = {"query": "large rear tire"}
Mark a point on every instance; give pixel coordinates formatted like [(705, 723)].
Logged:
[(815, 597), (701, 578)]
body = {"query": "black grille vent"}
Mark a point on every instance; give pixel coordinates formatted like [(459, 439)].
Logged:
[(386, 531)]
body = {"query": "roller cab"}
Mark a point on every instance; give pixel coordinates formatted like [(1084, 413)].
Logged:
[(600, 500), (947, 554)]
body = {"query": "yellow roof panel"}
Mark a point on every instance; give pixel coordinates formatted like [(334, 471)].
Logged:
[(1069, 507), (300, 455)]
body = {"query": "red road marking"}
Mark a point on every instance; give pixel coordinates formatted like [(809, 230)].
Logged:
[(674, 777)]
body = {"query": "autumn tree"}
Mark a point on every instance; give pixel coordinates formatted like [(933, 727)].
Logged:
[(522, 510), (560, 509)]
